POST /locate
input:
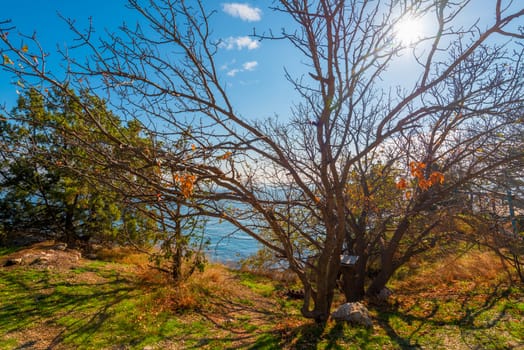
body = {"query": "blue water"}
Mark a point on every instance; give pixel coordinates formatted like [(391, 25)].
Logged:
[(228, 246)]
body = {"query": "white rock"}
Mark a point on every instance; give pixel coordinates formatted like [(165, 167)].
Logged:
[(354, 313), (13, 261)]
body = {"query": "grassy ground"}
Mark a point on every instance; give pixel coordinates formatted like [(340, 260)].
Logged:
[(66, 302)]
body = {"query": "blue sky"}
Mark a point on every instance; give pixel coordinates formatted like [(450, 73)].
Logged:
[(252, 70)]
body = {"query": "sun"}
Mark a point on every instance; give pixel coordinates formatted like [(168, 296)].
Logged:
[(408, 31)]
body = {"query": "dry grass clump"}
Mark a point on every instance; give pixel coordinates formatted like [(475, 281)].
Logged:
[(196, 292), (473, 267), (123, 255), (215, 281), (286, 277)]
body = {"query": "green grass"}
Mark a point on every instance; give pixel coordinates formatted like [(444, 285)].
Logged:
[(113, 310), (105, 305), (262, 285)]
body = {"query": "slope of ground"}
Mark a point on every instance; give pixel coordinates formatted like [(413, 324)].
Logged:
[(52, 298)]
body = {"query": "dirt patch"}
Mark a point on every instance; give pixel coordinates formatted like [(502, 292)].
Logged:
[(45, 254), (40, 337)]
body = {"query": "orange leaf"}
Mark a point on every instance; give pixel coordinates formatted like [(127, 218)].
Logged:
[(225, 156), (402, 184), (423, 184), (437, 177), (416, 168), (7, 60), (186, 184)]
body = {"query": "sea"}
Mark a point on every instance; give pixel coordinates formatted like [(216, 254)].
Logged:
[(227, 245)]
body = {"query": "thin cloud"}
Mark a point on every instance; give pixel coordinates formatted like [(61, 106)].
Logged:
[(240, 42), (226, 65), (251, 65), (233, 72), (242, 11), (246, 67)]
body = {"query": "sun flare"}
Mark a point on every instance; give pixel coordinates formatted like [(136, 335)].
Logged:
[(409, 31)]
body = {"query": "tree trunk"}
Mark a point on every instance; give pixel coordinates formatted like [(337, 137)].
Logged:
[(326, 278), (387, 266), (176, 272), (69, 226), (353, 280), (379, 282), (178, 249), (323, 300)]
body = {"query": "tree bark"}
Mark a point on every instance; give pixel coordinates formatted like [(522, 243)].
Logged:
[(353, 281), (380, 281), (176, 272), (69, 225), (178, 249), (326, 277)]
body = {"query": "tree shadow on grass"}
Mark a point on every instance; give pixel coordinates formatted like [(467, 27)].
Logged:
[(86, 327), (329, 336), (474, 317), (243, 321), (56, 311), (105, 311), (285, 331), (306, 336)]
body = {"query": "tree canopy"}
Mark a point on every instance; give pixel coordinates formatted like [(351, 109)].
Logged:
[(50, 182)]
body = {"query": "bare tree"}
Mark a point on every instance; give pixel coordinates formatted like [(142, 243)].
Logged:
[(362, 168)]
